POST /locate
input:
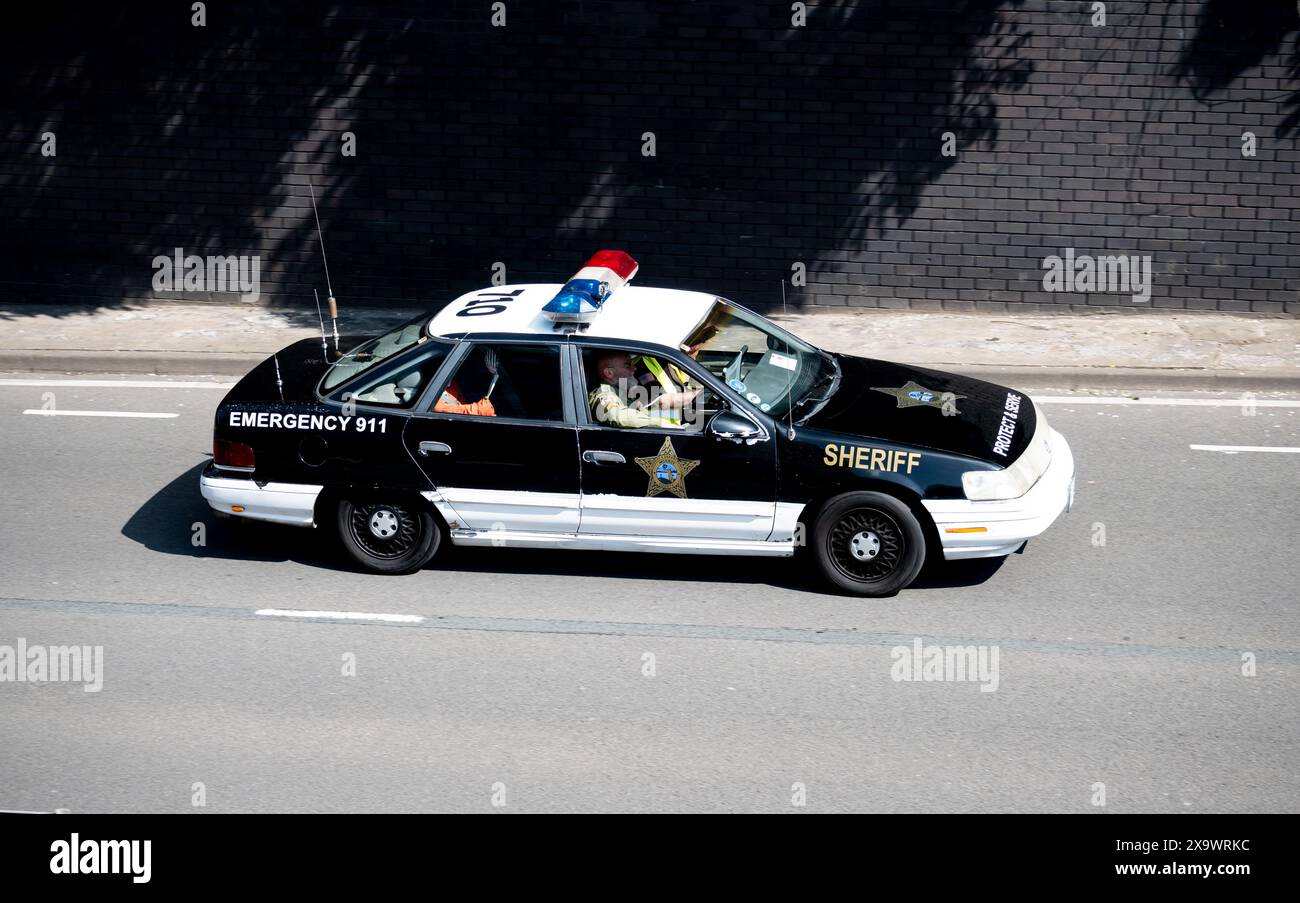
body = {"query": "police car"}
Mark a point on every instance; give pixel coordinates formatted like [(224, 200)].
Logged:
[(603, 416)]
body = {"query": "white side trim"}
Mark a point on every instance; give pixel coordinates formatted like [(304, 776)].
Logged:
[(725, 520), (503, 509), (278, 503), (787, 521), (1008, 522), (606, 543), (444, 508)]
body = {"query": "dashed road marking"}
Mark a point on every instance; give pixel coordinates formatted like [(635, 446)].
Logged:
[(338, 615), (1233, 449)]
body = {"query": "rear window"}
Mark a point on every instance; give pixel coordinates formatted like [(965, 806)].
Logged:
[(363, 357)]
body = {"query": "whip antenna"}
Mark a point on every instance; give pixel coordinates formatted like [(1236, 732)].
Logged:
[(325, 348), (320, 235)]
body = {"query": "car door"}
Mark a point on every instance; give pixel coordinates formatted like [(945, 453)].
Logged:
[(514, 469), (670, 483)]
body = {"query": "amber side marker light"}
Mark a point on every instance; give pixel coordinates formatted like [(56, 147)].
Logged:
[(966, 530), (236, 508)]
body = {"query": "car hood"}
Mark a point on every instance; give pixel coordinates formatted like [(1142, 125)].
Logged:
[(910, 405), (301, 365)]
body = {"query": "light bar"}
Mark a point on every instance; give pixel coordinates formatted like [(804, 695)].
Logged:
[(582, 296)]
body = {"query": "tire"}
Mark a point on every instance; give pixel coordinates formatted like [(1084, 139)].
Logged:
[(388, 534), (868, 544)]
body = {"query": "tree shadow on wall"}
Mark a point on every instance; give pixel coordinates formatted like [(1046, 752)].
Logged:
[(774, 142), (1232, 37)]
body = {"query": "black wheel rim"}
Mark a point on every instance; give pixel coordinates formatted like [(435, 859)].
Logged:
[(866, 545), (400, 526)]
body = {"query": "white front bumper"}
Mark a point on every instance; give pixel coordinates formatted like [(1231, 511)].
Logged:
[(279, 503), (1007, 523)]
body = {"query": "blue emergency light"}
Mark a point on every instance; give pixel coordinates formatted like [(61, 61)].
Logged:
[(583, 295)]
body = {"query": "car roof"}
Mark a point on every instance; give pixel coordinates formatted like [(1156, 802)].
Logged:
[(663, 316)]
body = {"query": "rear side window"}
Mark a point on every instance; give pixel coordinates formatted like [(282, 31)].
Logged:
[(402, 387), (516, 381), (370, 354)]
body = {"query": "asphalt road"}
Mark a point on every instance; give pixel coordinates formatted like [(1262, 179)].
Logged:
[(525, 686)]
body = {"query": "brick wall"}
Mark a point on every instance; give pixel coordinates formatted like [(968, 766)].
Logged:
[(775, 144)]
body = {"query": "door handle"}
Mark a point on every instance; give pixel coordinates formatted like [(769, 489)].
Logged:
[(603, 457), (434, 448)]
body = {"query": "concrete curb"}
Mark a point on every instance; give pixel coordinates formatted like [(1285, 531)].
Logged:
[(231, 365)]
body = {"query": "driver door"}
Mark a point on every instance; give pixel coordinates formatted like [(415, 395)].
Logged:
[(669, 483)]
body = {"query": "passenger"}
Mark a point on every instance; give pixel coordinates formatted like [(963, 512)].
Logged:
[(450, 403)]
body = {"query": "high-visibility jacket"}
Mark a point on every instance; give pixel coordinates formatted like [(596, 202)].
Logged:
[(671, 378), (607, 406)]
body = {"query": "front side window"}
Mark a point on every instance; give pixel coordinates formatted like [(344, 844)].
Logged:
[(521, 382)]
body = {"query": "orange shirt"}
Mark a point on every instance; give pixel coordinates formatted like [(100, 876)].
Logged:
[(449, 403)]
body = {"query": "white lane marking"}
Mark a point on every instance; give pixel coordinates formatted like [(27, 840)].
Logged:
[(338, 615), (114, 384), (40, 412), (35, 811), (1233, 449), (1173, 402)]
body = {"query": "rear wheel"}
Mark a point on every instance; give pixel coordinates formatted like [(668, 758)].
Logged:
[(388, 534), (868, 544)]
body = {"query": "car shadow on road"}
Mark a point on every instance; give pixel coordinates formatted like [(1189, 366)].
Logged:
[(169, 522), (798, 575)]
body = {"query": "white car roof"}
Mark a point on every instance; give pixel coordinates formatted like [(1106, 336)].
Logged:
[(662, 315)]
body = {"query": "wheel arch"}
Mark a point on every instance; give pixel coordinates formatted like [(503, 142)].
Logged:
[(813, 509), (329, 497)]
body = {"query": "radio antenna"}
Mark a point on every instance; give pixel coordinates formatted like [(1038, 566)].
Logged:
[(325, 348), (279, 383), (320, 235)]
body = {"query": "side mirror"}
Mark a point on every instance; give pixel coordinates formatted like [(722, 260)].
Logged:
[(731, 426)]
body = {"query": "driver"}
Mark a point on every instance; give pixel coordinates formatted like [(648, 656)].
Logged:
[(617, 368)]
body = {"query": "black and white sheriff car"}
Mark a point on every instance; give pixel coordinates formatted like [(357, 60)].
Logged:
[(529, 416)]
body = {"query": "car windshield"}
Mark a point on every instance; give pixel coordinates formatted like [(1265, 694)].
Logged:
[(775, 371), (363, 357)]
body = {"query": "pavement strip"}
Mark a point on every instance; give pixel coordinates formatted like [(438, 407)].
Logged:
[(43, 412), (116, 383)]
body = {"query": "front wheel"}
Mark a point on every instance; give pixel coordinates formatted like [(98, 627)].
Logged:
[(388, 535), (868, 544)]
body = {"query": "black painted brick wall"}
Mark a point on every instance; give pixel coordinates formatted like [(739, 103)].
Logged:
[(775, 145)]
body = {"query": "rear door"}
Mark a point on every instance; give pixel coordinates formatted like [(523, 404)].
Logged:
[(514, 469), (672, 483)]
